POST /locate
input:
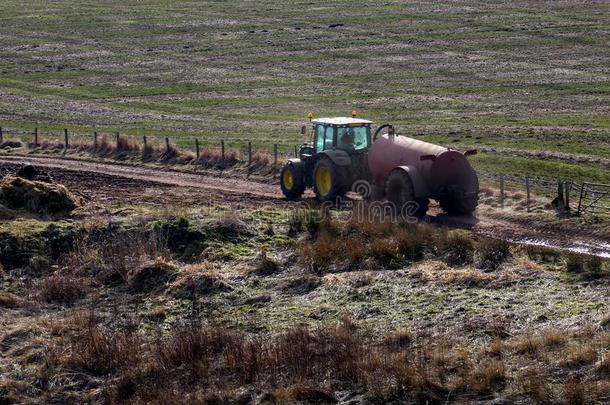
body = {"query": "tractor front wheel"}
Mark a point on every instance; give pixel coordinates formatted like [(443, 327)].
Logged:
[(292, 181), (327, 181)]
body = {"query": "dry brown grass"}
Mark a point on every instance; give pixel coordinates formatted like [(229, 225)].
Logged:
[(199, 279), (603, 367), (488, 376), (492, 253), (62, 288), (348, 245), (576, 355), (107, 146), (534, 344), (112, 256), (9, 300), (456, 246), (265, 264), (303, 364)]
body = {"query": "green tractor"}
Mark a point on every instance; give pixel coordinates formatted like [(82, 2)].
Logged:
[(332, 162), (343, 156)]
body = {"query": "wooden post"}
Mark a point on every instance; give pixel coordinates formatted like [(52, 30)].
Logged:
[(502, 191), (222, 148), (582, 194), (197, 148), (527, 188), (118, 138), (296, 153), (66, 144), (249, 152), (275, 154), (144, 140), (1, 135), (167, 144), (568, 187), (95, 140), (560, 195), (35, 137)]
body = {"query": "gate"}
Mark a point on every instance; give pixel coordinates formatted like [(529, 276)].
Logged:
[(594, 198)]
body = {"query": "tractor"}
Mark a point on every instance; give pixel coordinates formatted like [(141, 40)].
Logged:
[(343, 151)]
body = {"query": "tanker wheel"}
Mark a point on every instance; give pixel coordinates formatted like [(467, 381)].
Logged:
[(292, 182), (400, 192), (459, 206), (327, 181)]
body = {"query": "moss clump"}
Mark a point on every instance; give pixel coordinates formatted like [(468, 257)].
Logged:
[(37, 197)]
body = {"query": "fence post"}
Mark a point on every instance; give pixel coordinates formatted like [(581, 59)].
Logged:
[(222, 148), (296, 153), (95, 140), (145, 141), (167, 144), (568, 189), (197, 148), (118, 138), (502, 191), (66, 144), (1, 135), (249, 152), (35, 137), (527, 188), (275, 153), (582, 192), (560, 195)]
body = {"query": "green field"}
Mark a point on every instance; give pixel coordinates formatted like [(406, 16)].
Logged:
[(517, 75)]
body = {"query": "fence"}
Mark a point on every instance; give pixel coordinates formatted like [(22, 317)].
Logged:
[(593, 198), (246, 147)]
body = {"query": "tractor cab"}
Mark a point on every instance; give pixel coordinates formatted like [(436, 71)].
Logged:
[(347, 134), (332, 162)]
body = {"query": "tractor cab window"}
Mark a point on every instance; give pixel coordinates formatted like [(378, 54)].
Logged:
[(328, 138), (356, 138), (319, 142)]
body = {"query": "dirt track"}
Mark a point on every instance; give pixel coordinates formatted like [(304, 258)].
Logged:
[(119, 183)]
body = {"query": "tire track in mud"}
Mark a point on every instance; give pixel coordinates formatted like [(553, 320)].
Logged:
[(148, 174), (255, 192)]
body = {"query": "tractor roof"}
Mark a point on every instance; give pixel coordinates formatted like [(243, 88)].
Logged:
[(340, 121)]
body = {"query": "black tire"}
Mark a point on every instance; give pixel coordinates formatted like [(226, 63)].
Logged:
[(460, 206), (328, 182), (400, 191), (462, 198), (292, 189)]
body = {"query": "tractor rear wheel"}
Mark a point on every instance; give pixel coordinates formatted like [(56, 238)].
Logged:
[(400, 192), (328, 183), (292, 181)]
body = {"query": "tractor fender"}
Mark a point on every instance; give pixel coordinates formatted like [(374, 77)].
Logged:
[(419, 184), (294, 162), (338, 157)]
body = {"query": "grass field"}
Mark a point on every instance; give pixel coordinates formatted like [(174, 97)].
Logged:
[(524, 76)]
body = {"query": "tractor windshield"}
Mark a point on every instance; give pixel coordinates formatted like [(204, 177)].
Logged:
[(356, 138)]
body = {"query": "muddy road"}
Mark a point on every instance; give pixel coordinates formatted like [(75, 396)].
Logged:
[(116, 184)]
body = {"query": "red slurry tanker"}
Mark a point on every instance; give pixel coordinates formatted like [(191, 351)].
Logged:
[(344, 153)]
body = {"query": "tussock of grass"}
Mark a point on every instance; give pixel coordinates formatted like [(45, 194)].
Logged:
[(199, 279), (62, 288), (9, 300), (457, 247)]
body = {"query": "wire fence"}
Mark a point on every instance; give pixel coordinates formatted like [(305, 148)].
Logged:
[(245, 148), (586, 198), (567, 195)]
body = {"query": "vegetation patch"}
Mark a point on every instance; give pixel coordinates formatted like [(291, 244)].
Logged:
[(37, 197)]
